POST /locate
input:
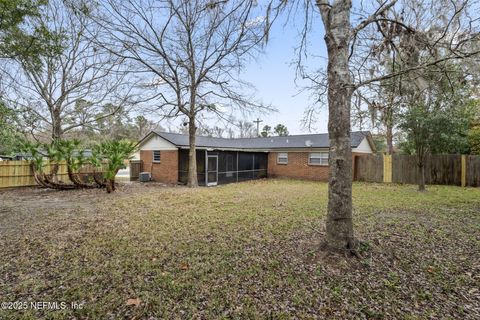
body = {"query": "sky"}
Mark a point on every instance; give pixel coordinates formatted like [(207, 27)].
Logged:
[(273, 75)]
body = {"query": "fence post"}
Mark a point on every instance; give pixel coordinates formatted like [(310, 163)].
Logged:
[(464, 171), (387, 168)]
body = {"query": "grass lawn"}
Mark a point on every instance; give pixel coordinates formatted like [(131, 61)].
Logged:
[(246, 250)]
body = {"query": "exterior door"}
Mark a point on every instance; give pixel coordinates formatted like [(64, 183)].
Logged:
[(212, 170)]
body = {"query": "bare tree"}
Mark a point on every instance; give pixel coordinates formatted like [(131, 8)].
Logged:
[(65, 87), (246, 129), (230, 133), (189, 52), (350, 50), (142, 126), (216, 132)]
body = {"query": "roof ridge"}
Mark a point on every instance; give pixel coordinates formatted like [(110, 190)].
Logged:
[(185, 134), (293, 135)]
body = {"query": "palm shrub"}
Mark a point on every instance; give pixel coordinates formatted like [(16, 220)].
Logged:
[(114, 154), (36, 162), (74, 155), (67, 148), (110, 155), (38, 152), (54, 156), (96, 161)]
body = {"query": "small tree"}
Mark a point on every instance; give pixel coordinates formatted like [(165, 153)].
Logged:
[(266, 131), (280, 130), (432, 130)]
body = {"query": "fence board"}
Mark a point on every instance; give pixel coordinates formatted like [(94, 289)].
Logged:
[(473, 171), (369, 168), (404, 169), (445, 169), (439, 169)]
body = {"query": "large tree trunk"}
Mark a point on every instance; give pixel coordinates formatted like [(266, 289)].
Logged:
[(192, 155), (56, 136), (421, 182), (339, 224), (56, 125)]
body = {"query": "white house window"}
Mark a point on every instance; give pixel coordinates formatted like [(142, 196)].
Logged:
[(282, 158), (156, 156), (318, 158)]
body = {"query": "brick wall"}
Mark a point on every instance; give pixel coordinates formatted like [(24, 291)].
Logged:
[(299, 168), (166, 170)]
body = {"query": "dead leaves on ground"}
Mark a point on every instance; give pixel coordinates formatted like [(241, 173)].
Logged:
[(245, 251), (133, 302)]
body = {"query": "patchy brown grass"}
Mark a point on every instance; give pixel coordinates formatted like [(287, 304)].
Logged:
[(247, 250)]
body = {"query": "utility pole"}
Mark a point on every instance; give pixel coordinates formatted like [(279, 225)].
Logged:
[(258, 126)]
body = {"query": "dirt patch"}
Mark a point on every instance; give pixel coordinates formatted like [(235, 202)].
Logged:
[(24, 208), (21, 199)]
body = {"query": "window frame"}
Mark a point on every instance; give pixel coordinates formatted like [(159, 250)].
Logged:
[(279, 157), (321, 163), (159, 156)]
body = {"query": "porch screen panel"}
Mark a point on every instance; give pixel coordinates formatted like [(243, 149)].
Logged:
[(245, 166), (227, 167), (201, 167), (183, 166), (260, 165), (251, 165)]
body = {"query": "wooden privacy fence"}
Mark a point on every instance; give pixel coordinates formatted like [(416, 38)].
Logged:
[(19, 173), (136, 166), (449, 169), (368, 168)]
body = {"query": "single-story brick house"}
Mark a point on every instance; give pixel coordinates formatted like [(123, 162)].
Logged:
[(220, 160)]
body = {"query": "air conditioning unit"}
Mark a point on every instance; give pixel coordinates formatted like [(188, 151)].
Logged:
[(145, 176)]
